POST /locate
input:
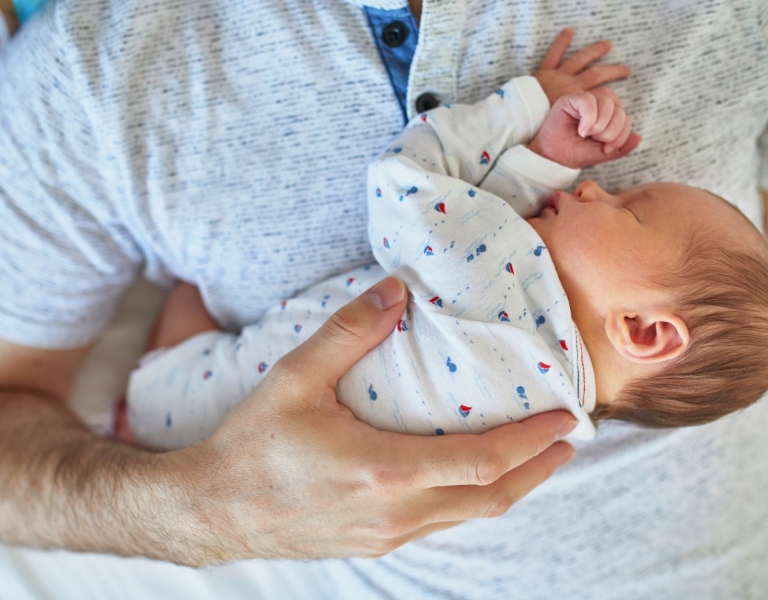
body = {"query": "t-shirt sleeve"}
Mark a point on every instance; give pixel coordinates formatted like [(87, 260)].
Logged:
[(65, 257), (763, 147)]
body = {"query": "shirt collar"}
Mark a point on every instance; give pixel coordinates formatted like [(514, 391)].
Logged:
[(380, 4), (584, 375)]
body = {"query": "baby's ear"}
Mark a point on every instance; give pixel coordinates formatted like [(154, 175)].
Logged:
[(651, 336)]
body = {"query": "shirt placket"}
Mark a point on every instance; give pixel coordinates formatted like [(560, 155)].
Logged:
[(433, 74)]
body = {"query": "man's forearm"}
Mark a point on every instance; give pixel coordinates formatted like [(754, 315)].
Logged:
[(63, 487)]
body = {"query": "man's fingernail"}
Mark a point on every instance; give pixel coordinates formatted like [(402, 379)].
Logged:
[(385, 294), (567, 427)]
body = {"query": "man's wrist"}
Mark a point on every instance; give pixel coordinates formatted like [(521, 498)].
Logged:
[(61, 486)]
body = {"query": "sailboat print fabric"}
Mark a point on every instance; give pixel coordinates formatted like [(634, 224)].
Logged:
[(487, 337)]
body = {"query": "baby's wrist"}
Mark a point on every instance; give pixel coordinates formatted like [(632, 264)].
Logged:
[(541, 149)]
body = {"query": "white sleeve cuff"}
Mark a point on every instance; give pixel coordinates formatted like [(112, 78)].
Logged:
[(533, 99), (538, 169)]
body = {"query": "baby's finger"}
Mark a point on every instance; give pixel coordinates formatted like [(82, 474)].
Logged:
[(582, 107), (621, 139), (605, 110), (604, 91), (614, 127), (557, 50), (633, 141), (584, 57), (601, 74)]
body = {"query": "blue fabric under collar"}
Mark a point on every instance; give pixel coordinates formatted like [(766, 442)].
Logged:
[(396, 60), (25, 9)]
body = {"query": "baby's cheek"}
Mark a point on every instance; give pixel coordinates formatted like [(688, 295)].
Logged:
[(579, 253)]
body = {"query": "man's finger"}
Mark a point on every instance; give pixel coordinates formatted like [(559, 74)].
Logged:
[(557, 50), (466, 459), (352, 331), (586, 56), (442, 507), (427, 529), (601, 74), (445, 507)]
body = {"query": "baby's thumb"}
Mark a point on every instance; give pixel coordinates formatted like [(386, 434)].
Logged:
[(353, 330)]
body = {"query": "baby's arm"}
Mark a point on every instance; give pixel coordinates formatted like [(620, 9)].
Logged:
[(182, 316), (424, 174), (432, 223)]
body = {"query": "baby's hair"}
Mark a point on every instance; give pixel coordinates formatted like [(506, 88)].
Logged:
[(722, 295)]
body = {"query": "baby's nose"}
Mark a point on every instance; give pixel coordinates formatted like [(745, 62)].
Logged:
[(586, 190)]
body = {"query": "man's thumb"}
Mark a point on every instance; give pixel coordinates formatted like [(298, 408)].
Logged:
[(353, 330)]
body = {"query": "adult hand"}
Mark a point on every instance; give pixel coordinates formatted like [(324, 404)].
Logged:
[(575, 74), (291, 473)]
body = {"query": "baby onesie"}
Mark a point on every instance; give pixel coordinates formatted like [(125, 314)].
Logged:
[(487, 337)]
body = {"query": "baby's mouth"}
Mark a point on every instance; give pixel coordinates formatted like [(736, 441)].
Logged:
[(553, 202)]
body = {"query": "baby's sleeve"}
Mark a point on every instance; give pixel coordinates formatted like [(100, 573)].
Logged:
[(440, 198)]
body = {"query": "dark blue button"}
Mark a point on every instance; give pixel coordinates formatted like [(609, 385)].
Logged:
[(395, 34), (427, 101)]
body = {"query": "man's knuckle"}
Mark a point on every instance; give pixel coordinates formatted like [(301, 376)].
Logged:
[(385, 482), (376, 481), (536, 446), (488, 468), (343, 325), (288, 370)]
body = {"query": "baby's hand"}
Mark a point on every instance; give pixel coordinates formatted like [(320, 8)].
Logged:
[(583, 130), (577, 74)]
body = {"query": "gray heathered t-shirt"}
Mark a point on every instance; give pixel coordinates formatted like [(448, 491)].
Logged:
[(225, 143)]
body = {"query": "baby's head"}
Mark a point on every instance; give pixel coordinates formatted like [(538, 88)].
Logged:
[(668, 285)]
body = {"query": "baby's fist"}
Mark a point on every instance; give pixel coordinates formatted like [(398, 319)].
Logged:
[(585, 129)]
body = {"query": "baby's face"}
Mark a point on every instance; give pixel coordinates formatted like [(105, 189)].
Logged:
[(606, 247)]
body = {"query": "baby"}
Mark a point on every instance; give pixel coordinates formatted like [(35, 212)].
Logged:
[(647, 306)]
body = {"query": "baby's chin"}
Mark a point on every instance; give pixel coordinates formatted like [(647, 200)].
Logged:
[(540, 225)]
